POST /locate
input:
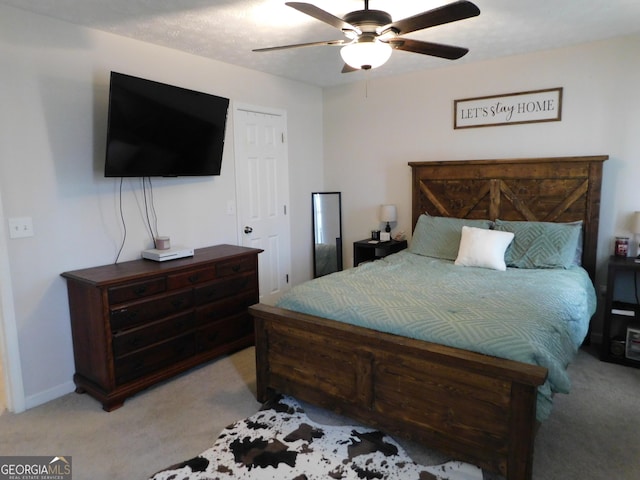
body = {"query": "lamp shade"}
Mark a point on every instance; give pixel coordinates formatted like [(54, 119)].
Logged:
[(366, 53), (388, 213), (635, 223)]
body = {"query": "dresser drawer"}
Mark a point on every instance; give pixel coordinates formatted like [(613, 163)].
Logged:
[(133, 291), (225, 288), (233, 267), (136, 338), (225, 331), (144, 311), (144, 361), (193, 277), (224, 308)]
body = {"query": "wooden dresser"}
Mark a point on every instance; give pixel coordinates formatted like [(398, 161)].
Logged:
[(139, 322)]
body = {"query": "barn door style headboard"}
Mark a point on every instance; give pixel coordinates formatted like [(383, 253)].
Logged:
[(555, 189)]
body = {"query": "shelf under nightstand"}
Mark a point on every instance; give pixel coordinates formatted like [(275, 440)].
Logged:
[(621, 314)]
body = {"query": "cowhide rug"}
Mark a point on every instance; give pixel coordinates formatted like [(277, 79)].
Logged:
[(281, 442)]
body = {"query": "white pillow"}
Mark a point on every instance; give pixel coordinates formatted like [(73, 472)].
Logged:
[(483, 248)]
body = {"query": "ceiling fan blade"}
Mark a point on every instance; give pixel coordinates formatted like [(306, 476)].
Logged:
[(438, 16), (323, 16), (428, 48), (310, 44)]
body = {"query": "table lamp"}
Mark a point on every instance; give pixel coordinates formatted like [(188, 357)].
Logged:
[(388, 214)]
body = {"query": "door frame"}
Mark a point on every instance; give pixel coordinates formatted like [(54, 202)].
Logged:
[(9, 346)]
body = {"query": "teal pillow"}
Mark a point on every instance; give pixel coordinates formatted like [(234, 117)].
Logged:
[(541, 244), (439, 237)]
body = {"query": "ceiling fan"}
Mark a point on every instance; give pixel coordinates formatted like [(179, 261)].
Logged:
[(371, 35)]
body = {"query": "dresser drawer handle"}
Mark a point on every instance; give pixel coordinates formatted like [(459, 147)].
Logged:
[(177, 303), (236, 268), (194, 278), (126, 315), (140, 291)]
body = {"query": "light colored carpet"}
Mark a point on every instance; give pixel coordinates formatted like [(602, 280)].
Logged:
[(593, 433)]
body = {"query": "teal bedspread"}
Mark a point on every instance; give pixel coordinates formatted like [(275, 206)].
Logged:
[(536, 316)]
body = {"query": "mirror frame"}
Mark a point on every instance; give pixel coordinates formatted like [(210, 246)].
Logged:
[(338, 239)]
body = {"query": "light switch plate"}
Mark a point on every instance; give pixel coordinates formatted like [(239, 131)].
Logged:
[(20, 227)]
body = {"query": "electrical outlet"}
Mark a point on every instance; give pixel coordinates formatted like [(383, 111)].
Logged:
[(20, 227)]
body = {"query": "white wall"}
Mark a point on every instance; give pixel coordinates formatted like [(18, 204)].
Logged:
[(54, 90), (372, 131)]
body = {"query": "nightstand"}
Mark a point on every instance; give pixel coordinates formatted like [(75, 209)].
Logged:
[(622, 313), (365, 251)]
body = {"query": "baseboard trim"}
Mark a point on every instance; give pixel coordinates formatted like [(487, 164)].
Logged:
[(51, 394)]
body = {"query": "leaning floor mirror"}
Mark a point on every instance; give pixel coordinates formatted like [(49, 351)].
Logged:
[(327, 232)]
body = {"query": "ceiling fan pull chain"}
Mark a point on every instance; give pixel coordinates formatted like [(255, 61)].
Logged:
[(366, 84)]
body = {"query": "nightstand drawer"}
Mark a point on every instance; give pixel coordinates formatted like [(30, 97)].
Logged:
[(365, 251)]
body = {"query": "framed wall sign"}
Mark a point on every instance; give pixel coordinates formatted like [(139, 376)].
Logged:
[(509, 109)]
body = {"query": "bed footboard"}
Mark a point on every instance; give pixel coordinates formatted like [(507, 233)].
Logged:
[(476, 408)]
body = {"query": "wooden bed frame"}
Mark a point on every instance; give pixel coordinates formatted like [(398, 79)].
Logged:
[(473, 407)]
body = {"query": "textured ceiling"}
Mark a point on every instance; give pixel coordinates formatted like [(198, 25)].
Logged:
[(227, 30)]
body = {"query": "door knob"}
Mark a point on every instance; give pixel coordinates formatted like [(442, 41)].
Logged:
[(248, 229)]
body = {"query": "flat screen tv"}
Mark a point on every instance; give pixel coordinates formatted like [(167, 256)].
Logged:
[(156, 129)]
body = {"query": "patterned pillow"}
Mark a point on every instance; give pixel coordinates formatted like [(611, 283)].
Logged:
[(541, 244), (439, 237)]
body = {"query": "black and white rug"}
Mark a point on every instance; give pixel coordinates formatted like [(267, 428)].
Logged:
[(281, 442)]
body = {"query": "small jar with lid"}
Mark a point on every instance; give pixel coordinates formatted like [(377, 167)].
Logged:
[(622, 246)]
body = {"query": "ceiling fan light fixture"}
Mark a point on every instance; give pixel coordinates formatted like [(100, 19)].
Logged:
[(366, 53)]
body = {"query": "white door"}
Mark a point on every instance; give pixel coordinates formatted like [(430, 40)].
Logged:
[(262, 185)]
